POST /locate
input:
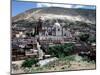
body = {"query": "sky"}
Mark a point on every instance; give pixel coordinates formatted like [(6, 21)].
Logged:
[(21, 6)]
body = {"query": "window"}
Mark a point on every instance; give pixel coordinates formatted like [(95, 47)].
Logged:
[(65, 34), (58, 29)]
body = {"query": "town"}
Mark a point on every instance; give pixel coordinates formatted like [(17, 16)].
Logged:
[(29, 42)]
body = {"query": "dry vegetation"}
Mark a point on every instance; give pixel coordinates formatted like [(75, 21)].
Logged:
[(73, 62)]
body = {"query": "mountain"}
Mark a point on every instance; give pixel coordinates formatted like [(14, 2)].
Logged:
[(82, 15)]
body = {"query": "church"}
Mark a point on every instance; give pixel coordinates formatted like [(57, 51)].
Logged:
[(53, 32)]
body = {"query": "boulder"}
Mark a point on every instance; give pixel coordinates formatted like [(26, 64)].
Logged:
[(46, 61)]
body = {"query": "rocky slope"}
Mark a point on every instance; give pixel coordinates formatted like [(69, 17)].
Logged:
[(82, 15)]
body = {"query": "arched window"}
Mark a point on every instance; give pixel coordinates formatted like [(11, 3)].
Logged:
[(58, 29)]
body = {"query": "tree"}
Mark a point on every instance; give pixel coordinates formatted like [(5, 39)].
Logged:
[(84, 37), (61, 50), (29, 62)]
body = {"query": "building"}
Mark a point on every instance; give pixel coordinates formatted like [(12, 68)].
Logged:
[(54, 32)]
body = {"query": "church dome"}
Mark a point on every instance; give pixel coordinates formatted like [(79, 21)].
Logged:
[(56, 24), (41, 18)]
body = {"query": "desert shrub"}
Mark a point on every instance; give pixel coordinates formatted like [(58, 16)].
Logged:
[(84, 37), (87, 38), (29, 62), (71, 58), (83, 24), (85, 58), (92, 39), (61, 50)]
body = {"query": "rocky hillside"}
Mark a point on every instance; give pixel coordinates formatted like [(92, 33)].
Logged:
[(82, 15)]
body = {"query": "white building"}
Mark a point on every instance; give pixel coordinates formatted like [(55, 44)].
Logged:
[(54, 32)]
